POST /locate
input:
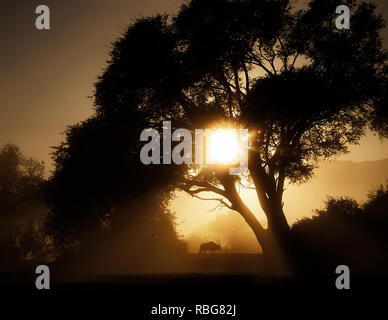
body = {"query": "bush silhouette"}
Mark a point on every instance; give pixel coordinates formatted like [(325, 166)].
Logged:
[(345, 232)]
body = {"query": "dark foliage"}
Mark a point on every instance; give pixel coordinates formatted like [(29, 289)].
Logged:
[(22, 211), (98, 171), (345, 232), (304, 89), (20, 181), (139, 238)]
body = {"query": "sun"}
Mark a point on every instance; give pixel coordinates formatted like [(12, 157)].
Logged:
[(224, 147)]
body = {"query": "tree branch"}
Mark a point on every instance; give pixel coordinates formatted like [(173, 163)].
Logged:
[(202, 187), (220, 200)]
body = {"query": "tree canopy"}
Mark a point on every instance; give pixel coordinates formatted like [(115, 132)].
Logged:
[(303, 88)]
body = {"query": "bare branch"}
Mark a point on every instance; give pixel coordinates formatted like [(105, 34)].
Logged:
[(222, 202), (247, 84), (201, 187), (293, 62), (285, 56), (237, 83)]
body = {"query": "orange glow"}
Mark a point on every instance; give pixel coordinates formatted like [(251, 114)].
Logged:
[(224, 146)]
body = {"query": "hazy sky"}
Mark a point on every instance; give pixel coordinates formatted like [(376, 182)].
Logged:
[(47, 76)]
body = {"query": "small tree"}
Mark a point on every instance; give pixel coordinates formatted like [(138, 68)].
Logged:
[(21, 179), (21, 208)]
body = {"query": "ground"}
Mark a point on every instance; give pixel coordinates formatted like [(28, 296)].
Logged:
[(133, 296)]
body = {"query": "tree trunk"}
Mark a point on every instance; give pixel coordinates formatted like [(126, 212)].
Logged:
[(239, 206), (279, 244), (275, 240)]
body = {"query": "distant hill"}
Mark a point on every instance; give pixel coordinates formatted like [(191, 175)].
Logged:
[(335, 178)]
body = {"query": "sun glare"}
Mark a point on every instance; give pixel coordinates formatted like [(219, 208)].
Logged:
[(224, 146)]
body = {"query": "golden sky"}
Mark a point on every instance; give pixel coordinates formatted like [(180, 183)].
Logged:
[(47, 76)]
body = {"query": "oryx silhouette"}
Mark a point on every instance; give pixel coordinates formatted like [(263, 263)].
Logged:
[(209, 248)]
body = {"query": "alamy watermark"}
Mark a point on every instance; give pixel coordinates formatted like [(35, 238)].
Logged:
[(42, 22), (206, 147), (43, 280), (343, 20)]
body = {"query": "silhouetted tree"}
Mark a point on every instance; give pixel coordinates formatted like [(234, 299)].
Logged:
[(98, 173), (21, 179), (303, 88), (21, 208), (345, 232)]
